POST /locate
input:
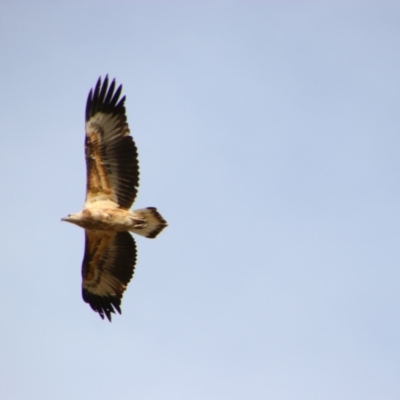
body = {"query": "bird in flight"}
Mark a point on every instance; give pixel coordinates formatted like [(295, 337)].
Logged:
[(112, 183)]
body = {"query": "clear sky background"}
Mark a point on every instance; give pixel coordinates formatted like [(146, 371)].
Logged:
[(268, 137)]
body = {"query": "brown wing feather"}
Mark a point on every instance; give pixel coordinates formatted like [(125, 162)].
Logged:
[(107, 268), (111, 154)]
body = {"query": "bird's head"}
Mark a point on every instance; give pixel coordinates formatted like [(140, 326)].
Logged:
[(73, 218)]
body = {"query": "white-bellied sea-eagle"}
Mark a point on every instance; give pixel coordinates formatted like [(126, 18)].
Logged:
[(112, 181)]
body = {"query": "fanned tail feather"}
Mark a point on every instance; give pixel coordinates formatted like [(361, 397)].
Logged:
[(155, 223)]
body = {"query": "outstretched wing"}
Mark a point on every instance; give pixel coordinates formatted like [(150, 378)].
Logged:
[(107, 268), (111, 154)]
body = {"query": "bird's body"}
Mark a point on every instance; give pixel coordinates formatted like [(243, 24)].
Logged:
[(107, 219), (104, 218), (112, 181)]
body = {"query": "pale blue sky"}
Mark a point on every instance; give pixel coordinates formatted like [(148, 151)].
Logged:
[(268, 137)]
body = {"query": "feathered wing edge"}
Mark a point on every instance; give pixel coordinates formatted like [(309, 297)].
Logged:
[(107, 267), (111, 154), (104, 100)]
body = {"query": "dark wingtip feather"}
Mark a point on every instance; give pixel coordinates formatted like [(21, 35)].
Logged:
[(96, 93), (108, 314), (110, 92), (121, 102), (103, 89), (88, 104), (117, 93)]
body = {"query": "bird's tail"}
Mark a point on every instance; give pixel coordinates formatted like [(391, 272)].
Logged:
[(153, 222)]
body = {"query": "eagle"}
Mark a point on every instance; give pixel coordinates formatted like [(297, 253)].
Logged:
[(112, 184)]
